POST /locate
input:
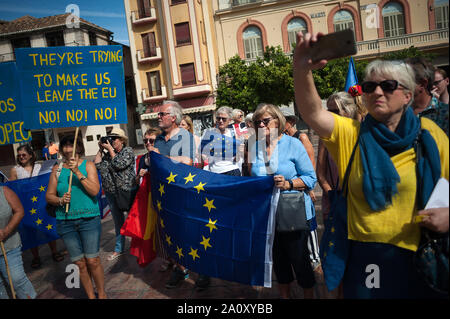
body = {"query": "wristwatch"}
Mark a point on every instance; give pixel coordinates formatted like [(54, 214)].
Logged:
[(291, 184), (82, 178)]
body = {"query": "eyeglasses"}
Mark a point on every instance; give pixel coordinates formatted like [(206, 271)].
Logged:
[(437, 82), (224, 119), (162, 114), (149, 140), (266, 121), (386, 86), (22, 155)]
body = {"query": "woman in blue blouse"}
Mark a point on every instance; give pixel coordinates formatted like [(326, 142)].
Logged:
[(293, 171)]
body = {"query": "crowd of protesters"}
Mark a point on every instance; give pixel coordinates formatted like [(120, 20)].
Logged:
[(400, 99)]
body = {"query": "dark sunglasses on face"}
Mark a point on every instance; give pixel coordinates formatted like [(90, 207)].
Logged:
[(224, 119), (386, 86), (266, 121), (149, 140), (22, 155)]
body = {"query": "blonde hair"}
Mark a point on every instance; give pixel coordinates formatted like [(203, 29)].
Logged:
[(345, 102), (188, 121), (274, 111)]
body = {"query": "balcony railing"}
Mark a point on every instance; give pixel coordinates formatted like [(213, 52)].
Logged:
[(147, 59), (155, 98), (428, 38), (137, 18)]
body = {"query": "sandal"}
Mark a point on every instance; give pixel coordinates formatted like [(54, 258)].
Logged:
[(36, 263), (57, 257)]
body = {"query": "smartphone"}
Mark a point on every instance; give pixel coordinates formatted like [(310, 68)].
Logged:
[(334, 45)]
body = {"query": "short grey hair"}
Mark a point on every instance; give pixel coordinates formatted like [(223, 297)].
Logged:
[(394, 70), (237, 112), (249, 118), (225, 110), (175, 109)]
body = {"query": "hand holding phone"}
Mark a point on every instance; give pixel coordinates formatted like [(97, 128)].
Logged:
[(333, 45)]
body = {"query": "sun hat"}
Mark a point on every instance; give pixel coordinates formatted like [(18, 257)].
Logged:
[(118, 132)]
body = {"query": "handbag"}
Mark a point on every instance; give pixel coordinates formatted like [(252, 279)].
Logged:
[(124, 198), (51, 209), (334, 244), (291, 212), (431, 258)]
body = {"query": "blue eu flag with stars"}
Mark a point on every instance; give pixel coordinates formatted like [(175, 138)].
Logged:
[(216, 225), (36, 227)]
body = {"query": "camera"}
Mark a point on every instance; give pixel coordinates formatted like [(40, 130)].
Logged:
[(106, 139)]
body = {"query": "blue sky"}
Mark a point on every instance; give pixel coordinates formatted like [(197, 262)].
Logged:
[(108, 14)]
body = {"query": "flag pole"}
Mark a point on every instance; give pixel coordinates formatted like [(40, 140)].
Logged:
[(7, 270), (71, 173)]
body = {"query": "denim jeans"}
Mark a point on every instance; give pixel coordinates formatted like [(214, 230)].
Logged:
[(119, 219), (22, 285), (81, 236)]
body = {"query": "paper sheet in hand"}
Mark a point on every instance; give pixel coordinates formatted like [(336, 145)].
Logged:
[(439, 196)]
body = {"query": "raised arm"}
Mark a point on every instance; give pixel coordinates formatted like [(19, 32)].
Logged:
[(307, 99)]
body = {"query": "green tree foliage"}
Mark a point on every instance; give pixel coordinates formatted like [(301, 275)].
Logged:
[(268, 79), (411, 52)]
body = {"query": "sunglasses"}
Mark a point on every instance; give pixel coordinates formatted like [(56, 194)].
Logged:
[(22, 155), (224, 119), (162, 114), (149, 140), (386, 86), (266, 121), (437, 82)]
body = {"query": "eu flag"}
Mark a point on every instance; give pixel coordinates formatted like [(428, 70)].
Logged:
[(352, 78), (36, 227), (216, 225)]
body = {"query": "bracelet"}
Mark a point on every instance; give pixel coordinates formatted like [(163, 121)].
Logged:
[(82, 178), (291, 184), (60, 201)]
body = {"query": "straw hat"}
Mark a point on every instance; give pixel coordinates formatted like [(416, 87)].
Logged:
[(118, 132)]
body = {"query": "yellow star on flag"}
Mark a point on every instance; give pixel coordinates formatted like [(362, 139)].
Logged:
[(199, 187), (209, 204), (211, 225), (162, 223), (39, 221), (49, 227), (158, 204), (189, 178), (332, 229), (171, 178), (194, 254), (330, 243), (34, 199), (33, 211), (205, 242), (179, 252), (168, 240), (42, 189), (161, 189)]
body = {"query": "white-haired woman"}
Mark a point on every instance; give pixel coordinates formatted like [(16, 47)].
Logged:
[(115, 162), (381, 203)]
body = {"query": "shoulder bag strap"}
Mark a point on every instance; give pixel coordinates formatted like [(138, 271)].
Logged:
[(348, 169)]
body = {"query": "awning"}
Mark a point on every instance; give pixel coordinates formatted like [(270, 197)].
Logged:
[(196, 109)]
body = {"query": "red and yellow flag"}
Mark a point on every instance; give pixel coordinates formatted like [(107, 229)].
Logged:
[(141, 225)]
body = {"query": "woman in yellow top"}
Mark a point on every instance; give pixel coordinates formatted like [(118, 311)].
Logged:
[(381, 200)]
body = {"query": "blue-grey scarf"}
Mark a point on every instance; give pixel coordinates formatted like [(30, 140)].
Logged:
[(377, 144)]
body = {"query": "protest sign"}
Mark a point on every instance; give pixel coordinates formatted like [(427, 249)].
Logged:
[(72, 86), (11, 123)]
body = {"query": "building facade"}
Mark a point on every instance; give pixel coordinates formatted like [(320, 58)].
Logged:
[(58, 30), (246, 27), (174, 57)]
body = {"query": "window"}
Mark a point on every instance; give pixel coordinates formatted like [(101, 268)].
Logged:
[(154, 83), (92, 38), (187, 74), (343, 20), (253, 45), (20, 43), (178, 1), (182, 33), (294, 26), (393, 20), (149, 44), (55, 39), (144, 9), (240, 2), (441, 13)]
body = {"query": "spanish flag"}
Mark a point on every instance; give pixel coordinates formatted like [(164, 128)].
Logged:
[(140, 225)]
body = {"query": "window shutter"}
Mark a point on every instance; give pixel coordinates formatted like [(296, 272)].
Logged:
[(187, 74), (145, 44), (182, 33), (152, 43), (147, 8)]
